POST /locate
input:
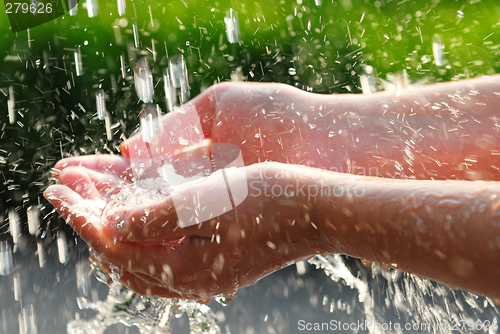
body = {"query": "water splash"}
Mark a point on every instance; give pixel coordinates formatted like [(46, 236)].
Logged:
[(334, 266), (149, 314), (413, 300)]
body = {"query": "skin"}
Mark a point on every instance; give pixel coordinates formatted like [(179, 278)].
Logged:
[(295, 145)]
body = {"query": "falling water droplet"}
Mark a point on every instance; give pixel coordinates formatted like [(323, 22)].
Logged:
[(100, 101), (179, 76), (33, 219), (41, 254), (170, 92), (11, 105), (460, 14), (121, 7), (5, 258), (136, 35), (151, 124), (437, 49), (73, 8), (143, 80), (78, 62), (92, 8), (107, 122), (62, 247), (301, 267), (14, 225), (232, 26), (123, 66), (27, 321), (83, 278), (292, 71)]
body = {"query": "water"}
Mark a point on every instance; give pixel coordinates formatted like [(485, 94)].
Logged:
[(6, 263), (92, 8), (326, 47), (100, 101), (232, 27), (179, 76), (122, 7), (150, 315), (78, 61), (143, 81)]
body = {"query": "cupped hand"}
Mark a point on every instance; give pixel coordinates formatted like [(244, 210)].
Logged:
[(155, 256)]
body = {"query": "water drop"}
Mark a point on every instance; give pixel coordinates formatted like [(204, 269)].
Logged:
[(179, 76), (292, 71), (232, 26), (6, 263), (437, 49), (460, 14), (73, 8), (143, 81), (136, 35), (14, 225), (100, 101), (92, 8), (121, 7), (78, 61), (151, 124), (170, 92), (62, 247), (33, 219)]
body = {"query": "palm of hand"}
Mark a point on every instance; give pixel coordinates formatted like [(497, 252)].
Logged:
[(156, 257)]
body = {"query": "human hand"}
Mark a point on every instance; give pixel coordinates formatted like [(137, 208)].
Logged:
[(156, 257), (266, 121)]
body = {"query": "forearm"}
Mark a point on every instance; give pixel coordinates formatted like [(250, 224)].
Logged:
[(447, 231), (443, 131)]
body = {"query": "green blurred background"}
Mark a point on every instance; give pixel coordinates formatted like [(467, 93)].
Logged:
[(319, 46)]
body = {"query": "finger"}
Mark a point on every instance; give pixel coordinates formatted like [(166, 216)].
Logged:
[(62, 198), (114, 164), (106, 184), (79, 181), (82, 215)]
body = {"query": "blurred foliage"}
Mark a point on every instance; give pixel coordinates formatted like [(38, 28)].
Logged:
[(319, 46)]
